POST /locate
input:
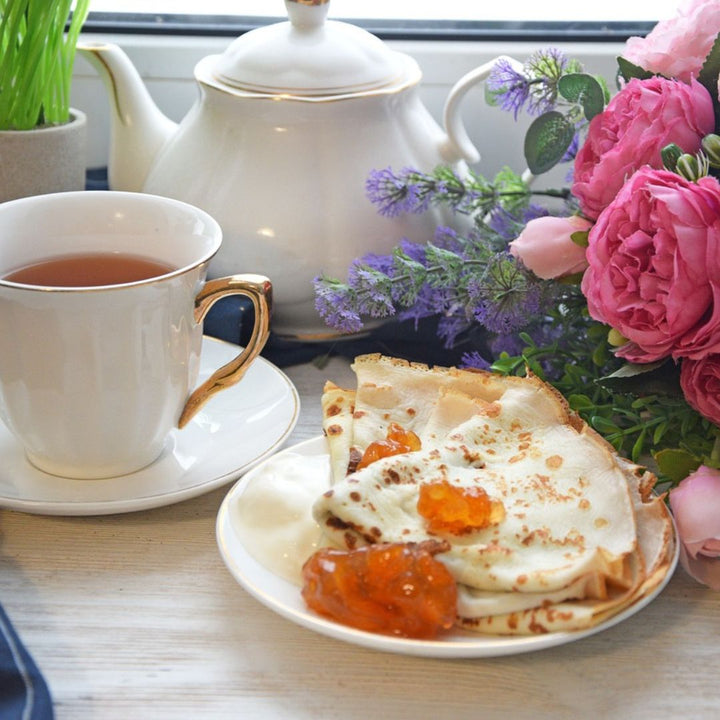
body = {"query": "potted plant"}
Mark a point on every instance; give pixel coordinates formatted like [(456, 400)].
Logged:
[(42, 139)]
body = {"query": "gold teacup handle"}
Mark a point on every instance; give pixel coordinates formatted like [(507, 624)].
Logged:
[(259, 289)]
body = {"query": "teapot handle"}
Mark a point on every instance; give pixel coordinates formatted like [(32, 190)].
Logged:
[(457, 144)]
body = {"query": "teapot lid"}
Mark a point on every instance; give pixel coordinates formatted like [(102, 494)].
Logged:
[(308, 55)]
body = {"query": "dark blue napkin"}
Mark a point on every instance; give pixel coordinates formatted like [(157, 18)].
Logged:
[(23, 692)]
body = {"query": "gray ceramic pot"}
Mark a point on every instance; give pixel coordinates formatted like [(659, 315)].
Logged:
[(43, 160)]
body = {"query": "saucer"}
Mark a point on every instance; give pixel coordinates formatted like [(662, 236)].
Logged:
[(237, 428)]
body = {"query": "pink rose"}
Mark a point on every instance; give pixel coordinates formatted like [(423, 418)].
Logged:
[(545, 246), (654, 266), (644, 117), (678, 47), (700, 383), (695, 503)]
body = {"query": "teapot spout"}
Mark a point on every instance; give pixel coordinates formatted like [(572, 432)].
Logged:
[(138, 128)]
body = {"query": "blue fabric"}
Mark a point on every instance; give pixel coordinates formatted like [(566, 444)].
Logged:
[(23, 692)]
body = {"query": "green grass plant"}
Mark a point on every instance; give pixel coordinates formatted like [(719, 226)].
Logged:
[(36, 60)]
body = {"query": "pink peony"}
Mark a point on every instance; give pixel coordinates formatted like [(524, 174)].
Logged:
[(654, 266), (678, 47), (545, 246), (695, 503), (644, 117), (700, 382)]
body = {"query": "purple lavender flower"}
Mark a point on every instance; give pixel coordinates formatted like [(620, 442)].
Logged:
[(510, 87), (534, 88), (505, 298), (448, 239), (504, 223), (450, 327), (371, 290), (474, 360), (334, 304), (545, 67), (374, 261), (415, 251), (397, 194)]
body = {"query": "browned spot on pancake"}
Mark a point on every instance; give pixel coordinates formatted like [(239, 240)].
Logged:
[(392, 477), (357, 414), (601, 522), (537, 627), (584, 504), (517, 458), (334, 430), (492, 410), (554, 462), (411, 412), (333, 409), (355, 496)]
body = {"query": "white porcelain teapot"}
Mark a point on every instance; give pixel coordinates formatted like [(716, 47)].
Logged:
[(289, 122)]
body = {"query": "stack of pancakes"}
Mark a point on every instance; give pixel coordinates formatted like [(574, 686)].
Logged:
[(582, 536)]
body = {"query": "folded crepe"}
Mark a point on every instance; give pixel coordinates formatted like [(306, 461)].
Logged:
[(582, 536)]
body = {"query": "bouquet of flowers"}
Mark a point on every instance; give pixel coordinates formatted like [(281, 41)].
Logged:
[(609, 289)]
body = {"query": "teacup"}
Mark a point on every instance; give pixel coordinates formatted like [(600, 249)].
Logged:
[(95, 371)]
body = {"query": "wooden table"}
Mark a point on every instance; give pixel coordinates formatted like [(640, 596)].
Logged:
[(135, 616)]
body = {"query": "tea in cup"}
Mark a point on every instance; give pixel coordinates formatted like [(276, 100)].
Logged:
[(102, 297)]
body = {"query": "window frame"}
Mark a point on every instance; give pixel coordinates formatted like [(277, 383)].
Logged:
[(460, 31)]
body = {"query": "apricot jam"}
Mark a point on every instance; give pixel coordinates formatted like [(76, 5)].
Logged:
[(397, 441), (451, 509), (390, 588)]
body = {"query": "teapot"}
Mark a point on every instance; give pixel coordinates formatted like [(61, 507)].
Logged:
[(288, 124)]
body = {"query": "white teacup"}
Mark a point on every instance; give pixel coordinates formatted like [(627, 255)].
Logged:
[(93, 378)]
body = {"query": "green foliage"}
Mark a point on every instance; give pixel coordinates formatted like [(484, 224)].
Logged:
[(627, 70), (584, 90), (36, 60), (547, 140)]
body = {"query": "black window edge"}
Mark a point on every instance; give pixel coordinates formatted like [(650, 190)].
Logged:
[(232, 26)]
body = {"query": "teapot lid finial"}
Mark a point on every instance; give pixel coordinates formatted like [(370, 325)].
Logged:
[(309, 56)]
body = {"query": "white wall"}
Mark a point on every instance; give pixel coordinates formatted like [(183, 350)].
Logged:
[(166, 63)]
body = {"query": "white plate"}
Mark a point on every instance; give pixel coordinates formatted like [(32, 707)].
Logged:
[(284, 598), (237, 428)]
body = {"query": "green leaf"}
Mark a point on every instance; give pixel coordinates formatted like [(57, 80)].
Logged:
[(660, 431), (660, 378), (547, 140), (708, 76), (580, 238), (505, 364), (676, 464), (628, 70), (603, 425), (580, 402), (585, 90), (638, 446), (601, 354)]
